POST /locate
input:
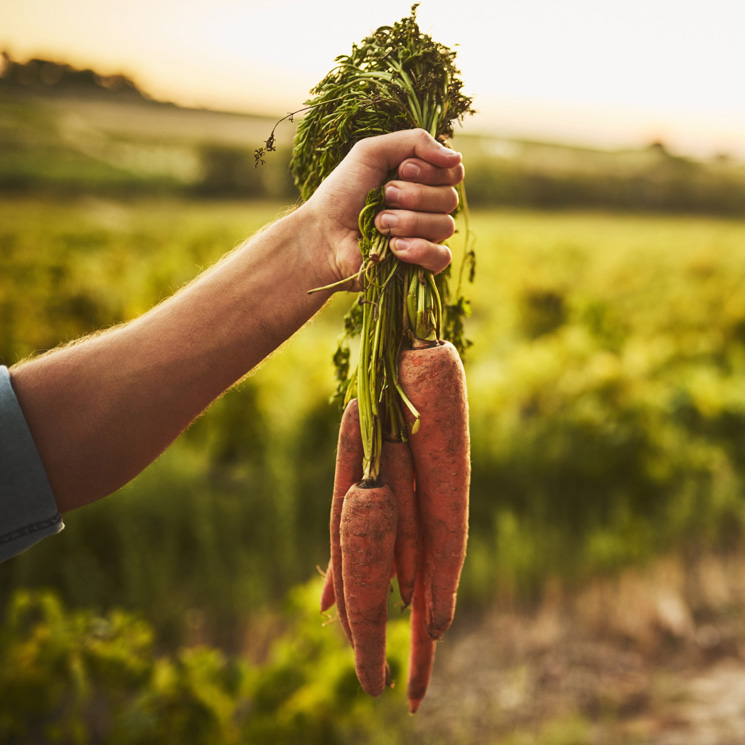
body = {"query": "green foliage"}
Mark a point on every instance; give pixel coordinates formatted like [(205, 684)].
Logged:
[(120, 146), (607, 399), (59, 668), (397, 78), (236, 512), (608, 412), (540, 175), (73, 676), (607, 409), (65, 144)]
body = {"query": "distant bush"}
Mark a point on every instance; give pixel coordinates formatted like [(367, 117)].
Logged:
[(41, 152), (75, 677), (229, 171), (606, 394), (652, 181), (45, 75)]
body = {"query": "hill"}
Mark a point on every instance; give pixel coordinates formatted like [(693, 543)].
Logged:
[(76, 131), (50, 77)]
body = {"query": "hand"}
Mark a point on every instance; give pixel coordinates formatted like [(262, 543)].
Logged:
[(102, 409), (419, 201)]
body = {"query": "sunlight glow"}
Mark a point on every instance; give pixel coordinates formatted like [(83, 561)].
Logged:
[(594, 71)]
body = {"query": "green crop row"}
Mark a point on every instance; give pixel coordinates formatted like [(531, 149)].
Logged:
[(607, 399)]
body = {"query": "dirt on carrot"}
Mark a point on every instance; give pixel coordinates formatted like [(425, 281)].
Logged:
[(397, 78), (397, 471), (368, 535), (348, 472), (422, 649), (434, 380)]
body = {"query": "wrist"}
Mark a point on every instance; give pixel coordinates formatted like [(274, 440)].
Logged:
[(317, 254)]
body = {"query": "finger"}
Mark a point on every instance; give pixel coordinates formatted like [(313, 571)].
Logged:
[(435, 227), (420, 197), (422, 172), (391, 149), (432, 256)]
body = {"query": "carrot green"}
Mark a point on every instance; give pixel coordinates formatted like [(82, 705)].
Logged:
[(397, 78)]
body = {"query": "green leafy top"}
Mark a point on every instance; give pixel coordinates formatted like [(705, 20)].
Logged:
[(397, 78)]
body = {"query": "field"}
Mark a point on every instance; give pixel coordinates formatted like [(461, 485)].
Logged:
[(607, 398)]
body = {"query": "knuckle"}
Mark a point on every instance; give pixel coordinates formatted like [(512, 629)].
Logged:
[(364, 146), (422, 135)]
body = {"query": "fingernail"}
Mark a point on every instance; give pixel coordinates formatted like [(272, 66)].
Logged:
[(392, 194), (388, 220), (400, 244), (450, 151), (410, 171)]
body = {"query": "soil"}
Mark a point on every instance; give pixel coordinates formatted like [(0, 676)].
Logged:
[(653, 657)]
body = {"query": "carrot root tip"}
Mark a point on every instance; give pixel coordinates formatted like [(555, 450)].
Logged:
[(434, 634), (414, 705), (372, 690)]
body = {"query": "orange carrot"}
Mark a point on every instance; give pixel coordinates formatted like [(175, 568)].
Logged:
[(434, 381), (327, 591), (368, 535), (421, 651), (397, 471), (348, 472)]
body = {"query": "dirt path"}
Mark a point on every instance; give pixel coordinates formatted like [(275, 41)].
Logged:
[(650, 658), (711, 709)]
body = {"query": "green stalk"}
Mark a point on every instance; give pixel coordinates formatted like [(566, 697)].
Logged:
[(363, 394), (397, 78)]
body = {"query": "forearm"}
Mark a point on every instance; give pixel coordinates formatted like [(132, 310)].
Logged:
[(102, 409)]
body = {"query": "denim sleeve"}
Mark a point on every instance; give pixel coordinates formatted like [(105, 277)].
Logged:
[(28, 511)]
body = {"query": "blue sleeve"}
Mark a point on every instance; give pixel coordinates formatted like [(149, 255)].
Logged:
[(28, 511)]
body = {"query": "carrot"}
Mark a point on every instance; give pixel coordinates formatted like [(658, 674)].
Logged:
[(368, 535), (434, 381), (348, 472), (327, 591), (414, 83), (397, 471), (421, 651)]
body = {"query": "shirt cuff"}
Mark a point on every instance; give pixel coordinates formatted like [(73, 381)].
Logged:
[(28, 511)]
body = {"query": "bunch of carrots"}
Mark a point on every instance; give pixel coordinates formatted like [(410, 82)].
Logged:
[(411, 521), (400, 496)]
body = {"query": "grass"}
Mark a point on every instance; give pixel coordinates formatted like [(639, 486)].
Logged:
[(607, 400), (606, 387), (605, 382), (67, 144), (605, 377)]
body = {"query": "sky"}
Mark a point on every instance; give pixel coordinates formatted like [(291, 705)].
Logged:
[(608, 73)]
